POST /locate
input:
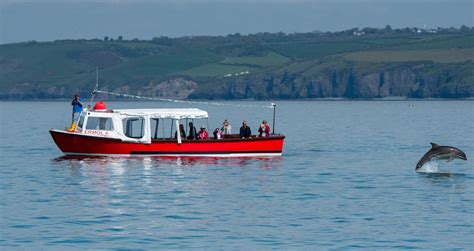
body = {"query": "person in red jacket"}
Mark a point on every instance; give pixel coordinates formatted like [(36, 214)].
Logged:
[(203, 134), (264, 129)]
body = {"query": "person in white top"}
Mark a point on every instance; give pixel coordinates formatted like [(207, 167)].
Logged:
[(217, 133), (226, 128)]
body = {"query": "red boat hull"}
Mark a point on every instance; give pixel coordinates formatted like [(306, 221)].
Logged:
[(71, 143)]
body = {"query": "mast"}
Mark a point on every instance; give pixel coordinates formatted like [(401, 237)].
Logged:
[(274, 109), (96, 84)]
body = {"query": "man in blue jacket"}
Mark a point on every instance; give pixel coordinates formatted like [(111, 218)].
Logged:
[(77, 107)]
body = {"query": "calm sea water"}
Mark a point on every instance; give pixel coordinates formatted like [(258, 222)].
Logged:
[(346, 181)]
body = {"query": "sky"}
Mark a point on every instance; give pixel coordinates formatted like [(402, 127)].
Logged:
[(48, 20)]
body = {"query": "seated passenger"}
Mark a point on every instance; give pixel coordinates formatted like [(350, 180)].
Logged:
[(245, 131), (181, 132), (203, 133), (192, 131), (226, 128), (264, 129), (217, 133)]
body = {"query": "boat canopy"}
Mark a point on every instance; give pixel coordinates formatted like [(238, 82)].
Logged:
[(184, 113)]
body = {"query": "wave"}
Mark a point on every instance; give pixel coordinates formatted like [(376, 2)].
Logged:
[(429, 167)]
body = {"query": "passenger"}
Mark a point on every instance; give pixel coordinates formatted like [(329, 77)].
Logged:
[(264, 129), (217, 133), (203, 134), (77, 106), (226, 128), (181, 131), (192, 131), (245, 131)]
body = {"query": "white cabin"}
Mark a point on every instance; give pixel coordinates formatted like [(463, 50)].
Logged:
[(136, 125)]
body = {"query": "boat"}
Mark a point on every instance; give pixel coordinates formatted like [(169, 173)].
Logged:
[(149, 132)]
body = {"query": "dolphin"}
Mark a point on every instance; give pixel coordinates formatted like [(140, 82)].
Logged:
[(438, 152)]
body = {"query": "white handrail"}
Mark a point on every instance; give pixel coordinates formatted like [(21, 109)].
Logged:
[(181, 101)]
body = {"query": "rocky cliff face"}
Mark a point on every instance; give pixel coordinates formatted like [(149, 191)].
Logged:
[(178, 88), (175, 88), (355, 82), (352, 81)]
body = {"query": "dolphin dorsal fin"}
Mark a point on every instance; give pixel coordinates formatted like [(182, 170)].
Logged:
[(433, 145)]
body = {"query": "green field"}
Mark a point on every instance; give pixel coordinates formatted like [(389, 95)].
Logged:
[(237, 65), (217, 70), (454, 55), (269, 60)]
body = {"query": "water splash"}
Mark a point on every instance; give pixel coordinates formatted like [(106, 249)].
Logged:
[(429, 167)]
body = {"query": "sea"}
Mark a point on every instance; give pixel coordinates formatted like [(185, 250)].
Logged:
[(346, 180)]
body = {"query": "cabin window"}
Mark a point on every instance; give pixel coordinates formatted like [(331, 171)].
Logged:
[(154, 126), (133, 127), (96, 123), (81, 121)]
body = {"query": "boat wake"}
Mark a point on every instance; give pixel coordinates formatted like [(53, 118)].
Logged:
[(429, 167)]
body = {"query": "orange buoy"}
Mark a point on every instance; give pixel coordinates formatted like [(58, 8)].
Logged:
[(100, 106)]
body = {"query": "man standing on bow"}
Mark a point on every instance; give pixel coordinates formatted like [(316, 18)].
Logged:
[(77, 106)]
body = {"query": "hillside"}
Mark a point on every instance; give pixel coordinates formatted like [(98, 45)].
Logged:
[(368, 63)]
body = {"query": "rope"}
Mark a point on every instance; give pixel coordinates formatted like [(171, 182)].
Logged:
[(181, 101)]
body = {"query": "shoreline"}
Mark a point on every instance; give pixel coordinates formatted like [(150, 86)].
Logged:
[(253, 100)]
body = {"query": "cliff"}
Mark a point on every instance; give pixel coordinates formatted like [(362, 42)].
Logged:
[(381, 63), (415, 80)]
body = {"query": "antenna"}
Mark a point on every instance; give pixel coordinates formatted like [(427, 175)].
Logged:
[(274, 110), (96, 84)]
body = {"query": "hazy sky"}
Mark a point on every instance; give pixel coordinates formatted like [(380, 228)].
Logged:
[(45, 20)]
